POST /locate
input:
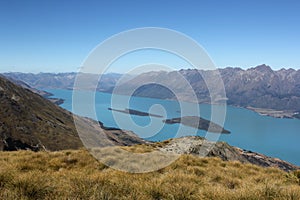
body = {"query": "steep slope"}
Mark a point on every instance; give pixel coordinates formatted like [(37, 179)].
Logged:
[(28, 121), (42, 93)]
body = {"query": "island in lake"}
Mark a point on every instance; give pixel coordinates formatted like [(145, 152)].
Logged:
[(199, 123), (135, 112)]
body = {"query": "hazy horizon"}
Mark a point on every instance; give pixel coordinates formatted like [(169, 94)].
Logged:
[(113, 72)]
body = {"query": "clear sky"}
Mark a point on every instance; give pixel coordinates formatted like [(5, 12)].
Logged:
[(57, 35)]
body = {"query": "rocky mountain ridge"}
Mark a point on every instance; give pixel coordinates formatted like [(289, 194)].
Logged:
[(269, 92), (198, 146), (264, 90)]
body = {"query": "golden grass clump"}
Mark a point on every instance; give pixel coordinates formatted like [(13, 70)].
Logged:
[(75, 174)]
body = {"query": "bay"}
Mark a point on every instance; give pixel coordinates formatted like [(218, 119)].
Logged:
[(271, 136)]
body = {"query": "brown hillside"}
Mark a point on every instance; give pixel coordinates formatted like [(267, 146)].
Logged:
[(28, 121)]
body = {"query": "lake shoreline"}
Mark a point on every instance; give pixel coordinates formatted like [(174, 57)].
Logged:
[(249, 130), (283, 114)]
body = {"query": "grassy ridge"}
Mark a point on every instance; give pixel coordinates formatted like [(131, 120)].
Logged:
[(77, 175)]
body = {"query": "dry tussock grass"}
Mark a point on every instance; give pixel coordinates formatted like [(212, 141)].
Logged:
[(77, 175)]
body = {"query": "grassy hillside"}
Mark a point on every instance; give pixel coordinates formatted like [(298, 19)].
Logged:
[(77, 175), (28, 121)]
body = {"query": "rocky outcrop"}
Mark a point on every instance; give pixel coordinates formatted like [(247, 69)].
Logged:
[(198, 146)]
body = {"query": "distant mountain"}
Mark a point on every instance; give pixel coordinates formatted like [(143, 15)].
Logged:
[(63, 80), (258, 87), (42, 93), (26, 86), (262, 87), (45, 80), (29, 121)]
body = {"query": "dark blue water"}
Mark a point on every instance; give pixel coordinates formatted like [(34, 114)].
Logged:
[(271, 136)]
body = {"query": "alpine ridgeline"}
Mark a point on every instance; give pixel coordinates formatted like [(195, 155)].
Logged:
[(258, 87)]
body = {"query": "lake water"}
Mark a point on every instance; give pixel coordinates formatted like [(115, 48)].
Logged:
[(271, 136)]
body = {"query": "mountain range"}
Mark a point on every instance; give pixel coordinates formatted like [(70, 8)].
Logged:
[(260, 88)]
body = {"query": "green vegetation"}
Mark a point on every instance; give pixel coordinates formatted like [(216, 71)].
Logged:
[(75, 174)]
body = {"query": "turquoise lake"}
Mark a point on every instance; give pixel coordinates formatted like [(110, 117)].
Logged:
[(267, 135)]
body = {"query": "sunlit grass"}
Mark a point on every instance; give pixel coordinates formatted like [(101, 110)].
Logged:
[(75, 174)]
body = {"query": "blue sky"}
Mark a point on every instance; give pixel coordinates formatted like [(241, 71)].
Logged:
[(56, 36)]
